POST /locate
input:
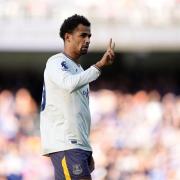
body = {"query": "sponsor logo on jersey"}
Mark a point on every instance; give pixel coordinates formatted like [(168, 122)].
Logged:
[(64, 66), (77, 169)]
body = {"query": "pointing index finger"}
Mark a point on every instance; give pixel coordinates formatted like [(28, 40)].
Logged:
[(110, 43)]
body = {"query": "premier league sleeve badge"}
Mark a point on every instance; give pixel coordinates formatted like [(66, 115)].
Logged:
[(64, 66)]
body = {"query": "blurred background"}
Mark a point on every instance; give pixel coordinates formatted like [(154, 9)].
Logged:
[(135, 104)]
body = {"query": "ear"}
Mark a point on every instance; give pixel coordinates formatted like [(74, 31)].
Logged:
[(67, 37)]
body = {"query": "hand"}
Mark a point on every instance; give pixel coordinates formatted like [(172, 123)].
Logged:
[(91, 164), (108, 57)]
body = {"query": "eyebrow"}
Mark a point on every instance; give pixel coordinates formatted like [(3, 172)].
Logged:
[(84, 33)]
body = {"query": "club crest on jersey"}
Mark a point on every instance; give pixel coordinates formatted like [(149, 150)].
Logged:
[(77, 169), (64, 66)]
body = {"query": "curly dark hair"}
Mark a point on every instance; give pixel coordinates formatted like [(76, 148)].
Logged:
[(71, 23)]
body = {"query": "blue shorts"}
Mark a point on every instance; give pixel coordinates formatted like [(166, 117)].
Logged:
[(73, 164)]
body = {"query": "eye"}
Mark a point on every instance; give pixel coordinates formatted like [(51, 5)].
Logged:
[(83, 35)]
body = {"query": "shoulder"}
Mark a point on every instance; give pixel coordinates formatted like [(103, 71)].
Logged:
[(58, 61)]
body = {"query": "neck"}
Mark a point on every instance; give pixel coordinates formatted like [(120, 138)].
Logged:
[(72, 55)]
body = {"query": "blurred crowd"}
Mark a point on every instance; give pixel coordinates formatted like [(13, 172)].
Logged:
[(135, 136), (19, 138), (134, 12)]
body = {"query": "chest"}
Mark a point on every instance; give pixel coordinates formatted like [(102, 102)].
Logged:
[(84, 90)]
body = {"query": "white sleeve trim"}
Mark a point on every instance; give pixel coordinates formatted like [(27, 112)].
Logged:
[(97, 68)]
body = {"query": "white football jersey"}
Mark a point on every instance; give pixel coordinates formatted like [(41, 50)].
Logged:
[(65, 116)]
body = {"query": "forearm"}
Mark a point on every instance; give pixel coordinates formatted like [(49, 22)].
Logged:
[(99, 65)]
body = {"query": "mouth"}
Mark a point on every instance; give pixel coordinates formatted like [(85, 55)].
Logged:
[(85, 47)]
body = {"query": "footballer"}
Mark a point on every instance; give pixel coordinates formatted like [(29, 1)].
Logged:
[(65, 116)]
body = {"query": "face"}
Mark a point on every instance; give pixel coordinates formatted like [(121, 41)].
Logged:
[(79, 39)]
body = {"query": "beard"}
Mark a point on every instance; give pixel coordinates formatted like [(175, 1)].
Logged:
[(83, 51)]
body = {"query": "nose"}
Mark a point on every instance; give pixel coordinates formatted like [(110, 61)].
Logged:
[(87, 40)]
